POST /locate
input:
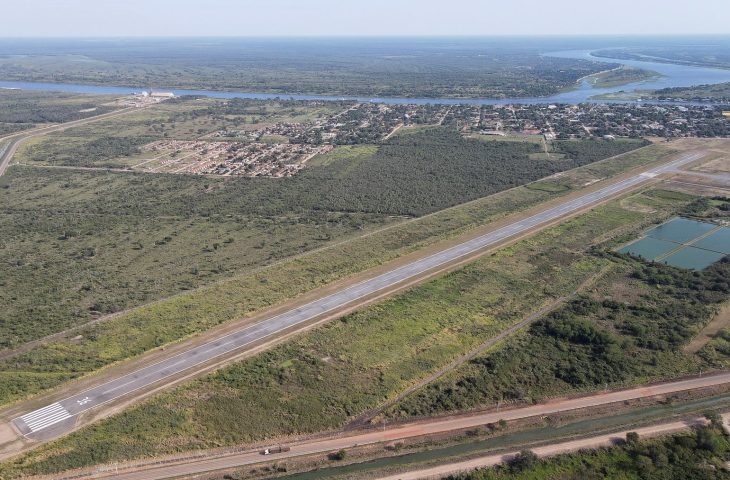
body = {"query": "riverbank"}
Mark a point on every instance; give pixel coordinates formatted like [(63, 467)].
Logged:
[(663, 76)]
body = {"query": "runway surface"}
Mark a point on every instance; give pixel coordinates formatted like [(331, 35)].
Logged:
[(59, 416)]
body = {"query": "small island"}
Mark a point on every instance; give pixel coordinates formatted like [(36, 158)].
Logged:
[(620, 76)]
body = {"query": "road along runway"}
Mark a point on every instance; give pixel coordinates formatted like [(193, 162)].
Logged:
[(59, 417), (15, 140)]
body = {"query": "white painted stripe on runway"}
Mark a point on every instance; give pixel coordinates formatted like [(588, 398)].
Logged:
[(41, 412), (47, 422), (59, 411), (40, 426), (45, 417)]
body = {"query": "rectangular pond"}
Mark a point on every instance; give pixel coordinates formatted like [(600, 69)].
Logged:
[(693, 258), (680, 230), (716, 242), (649, 248), (684, 243)]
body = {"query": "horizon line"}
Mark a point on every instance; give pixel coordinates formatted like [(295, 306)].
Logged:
[(362, 36)]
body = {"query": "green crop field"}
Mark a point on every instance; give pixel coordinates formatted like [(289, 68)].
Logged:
[(324, 377)]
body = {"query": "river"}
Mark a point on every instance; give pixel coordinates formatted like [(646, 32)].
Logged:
[(672, 75)]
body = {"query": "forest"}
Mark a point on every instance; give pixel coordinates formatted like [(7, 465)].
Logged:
[(713, 54), (719, 93), (376, 67), (21, 110), (412, 174), (21, 107), (591, 150)]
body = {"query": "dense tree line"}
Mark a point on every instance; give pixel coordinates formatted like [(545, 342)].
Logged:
[(591, 150), (719, 93), (25, 107), (8, 128), (97, 152)]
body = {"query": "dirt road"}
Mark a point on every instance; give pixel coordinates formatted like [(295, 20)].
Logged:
[(547, 450), (721, 320), (177, 466)]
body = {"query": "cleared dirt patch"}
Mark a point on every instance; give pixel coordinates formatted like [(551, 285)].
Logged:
[(721, 321)]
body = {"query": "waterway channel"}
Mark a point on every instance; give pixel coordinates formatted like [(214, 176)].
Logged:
[(671, 75)]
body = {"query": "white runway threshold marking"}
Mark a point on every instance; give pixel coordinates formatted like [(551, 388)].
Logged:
[(45, 417)]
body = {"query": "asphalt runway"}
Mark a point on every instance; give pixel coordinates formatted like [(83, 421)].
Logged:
[(58, 417)]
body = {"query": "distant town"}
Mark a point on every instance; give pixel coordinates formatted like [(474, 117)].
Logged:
[(282, 149)]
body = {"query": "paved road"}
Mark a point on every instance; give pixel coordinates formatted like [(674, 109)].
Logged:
[(60, 415), (16, 139), (170, 467), (6, 153)]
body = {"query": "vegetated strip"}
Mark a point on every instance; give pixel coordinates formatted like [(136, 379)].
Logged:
[(492, 342), (215, 460), (607, 440)]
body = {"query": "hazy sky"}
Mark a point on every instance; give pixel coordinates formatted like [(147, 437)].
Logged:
[(360, 17)]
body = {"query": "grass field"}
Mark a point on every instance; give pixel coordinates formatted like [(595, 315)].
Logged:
[(192, 312), (324, 377), (629, 329)]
